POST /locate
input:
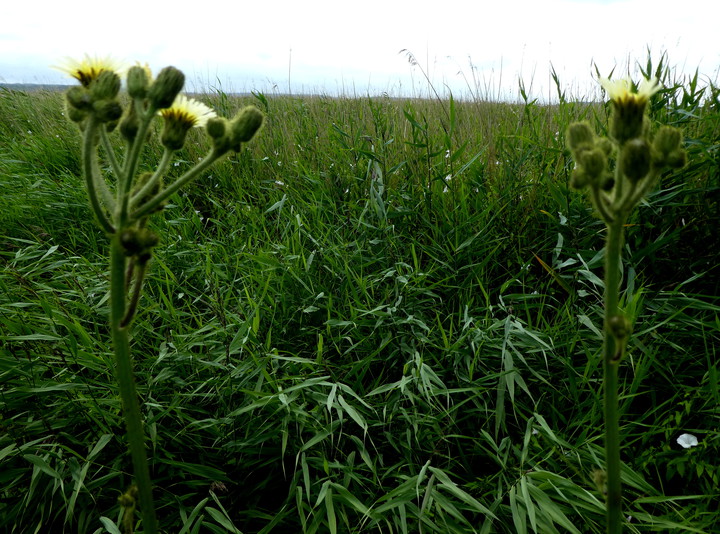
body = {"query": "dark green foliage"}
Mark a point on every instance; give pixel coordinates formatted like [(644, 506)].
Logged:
[(380, 316)]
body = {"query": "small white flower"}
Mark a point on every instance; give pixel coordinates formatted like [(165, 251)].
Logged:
[(687, 440)]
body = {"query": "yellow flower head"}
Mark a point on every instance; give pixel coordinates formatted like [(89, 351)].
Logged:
[(620, 91), (89, 68), (629, 107), (183, 114), (188, 112)]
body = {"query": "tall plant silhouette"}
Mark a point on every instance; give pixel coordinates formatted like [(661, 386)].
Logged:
[(615, 190), (124, 199)]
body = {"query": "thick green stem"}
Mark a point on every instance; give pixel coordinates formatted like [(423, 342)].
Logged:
[(126, 381), (612, 352)]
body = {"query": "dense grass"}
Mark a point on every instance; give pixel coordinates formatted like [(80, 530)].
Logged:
[(382, 316)]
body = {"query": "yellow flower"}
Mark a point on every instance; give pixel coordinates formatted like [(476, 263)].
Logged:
[(183, 114), (89, 68), (188, 112), (629, 108), (620, 91)]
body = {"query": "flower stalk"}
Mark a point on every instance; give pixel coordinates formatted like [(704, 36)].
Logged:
[(123, 215), (639, 161)]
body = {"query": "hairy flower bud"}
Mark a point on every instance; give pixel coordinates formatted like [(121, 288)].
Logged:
[(174, 134), (579, 178), (677, 159), (107, 110), (667, 140), (605, 145), (627, 121), (593, 162), (75, 114), (106, 86), (138, 241), (216, 127), (579, 135), (166, 87), (137, 82), (79, 98), (636, 159), (245, 125)]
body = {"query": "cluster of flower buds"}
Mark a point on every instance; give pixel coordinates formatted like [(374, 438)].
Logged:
[(97, 95), (231, 134), (639, 158), (96, 107)]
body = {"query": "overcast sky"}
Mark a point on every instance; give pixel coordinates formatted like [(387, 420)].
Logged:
[(351, 47)]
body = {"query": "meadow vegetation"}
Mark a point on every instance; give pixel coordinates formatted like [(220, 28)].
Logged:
[(383, 315)]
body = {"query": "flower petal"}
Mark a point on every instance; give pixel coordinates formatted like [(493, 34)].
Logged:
[(89, 68), (189, 111), (687, 440)]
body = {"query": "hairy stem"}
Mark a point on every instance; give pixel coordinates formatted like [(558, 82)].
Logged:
[(126, 381), (154, 179), (612, 351), (151, 205), (90, 171)]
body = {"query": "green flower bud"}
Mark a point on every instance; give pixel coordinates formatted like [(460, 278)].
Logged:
[(579, 135), (79, 98), (107, 110), (75, 114), (593, 162), (138, 241), (137, 82), (628, 119), (106, 86), (677, 159), (174, 134), (216, 127), (636, 159), (245, 125), (667, 140), (166, 87), (579, 178), (605, 145)]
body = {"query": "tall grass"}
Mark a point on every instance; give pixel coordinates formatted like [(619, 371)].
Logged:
[(380, 317)]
